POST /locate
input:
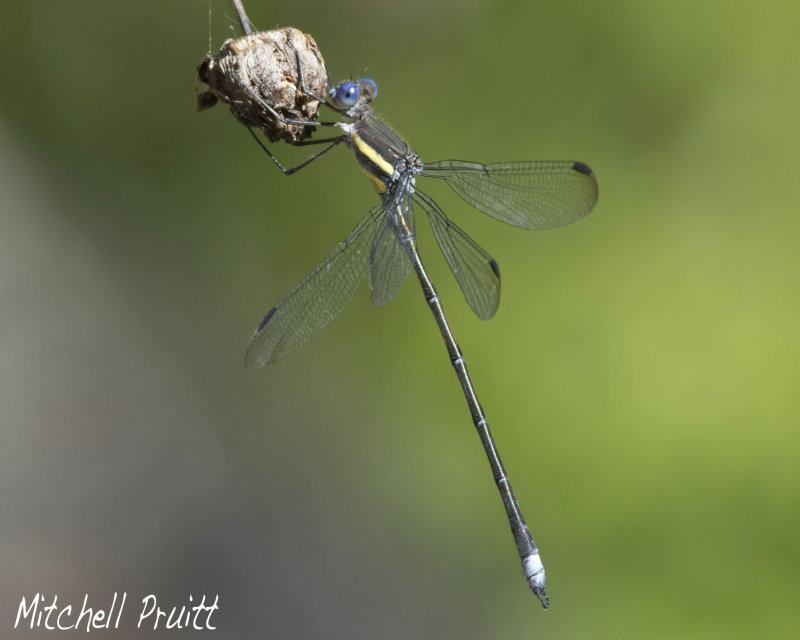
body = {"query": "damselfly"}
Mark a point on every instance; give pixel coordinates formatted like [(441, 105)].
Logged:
[(531, 195)]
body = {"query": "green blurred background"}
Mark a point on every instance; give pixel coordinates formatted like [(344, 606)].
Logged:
[(641, 375)]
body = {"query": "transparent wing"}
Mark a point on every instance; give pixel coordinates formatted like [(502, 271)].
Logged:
[(389, 261), (477, 273), (317, 299), (531, 195)]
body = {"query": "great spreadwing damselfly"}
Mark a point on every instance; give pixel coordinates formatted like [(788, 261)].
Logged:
[(531, 195)]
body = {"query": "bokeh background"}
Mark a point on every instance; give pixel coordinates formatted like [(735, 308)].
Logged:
[(641, 376)]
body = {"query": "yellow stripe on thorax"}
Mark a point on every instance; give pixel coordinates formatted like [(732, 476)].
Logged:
[(373, 155), (380, 186)]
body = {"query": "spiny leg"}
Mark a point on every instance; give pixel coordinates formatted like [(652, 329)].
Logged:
[(333, 142), (303, 87)]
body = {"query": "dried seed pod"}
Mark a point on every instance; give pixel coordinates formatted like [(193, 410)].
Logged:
[(264, 65)]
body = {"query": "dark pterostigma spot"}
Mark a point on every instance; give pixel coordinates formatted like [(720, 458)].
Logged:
[(582, 168), (495, 267), (270, 313)]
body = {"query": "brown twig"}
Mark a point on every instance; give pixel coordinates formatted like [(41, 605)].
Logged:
[(258, 75), (243, 19)]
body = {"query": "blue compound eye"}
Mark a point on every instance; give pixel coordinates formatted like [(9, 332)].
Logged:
[(368, 89), (346, 95)]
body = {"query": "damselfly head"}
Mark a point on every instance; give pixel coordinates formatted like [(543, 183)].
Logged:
[(348, 94)]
